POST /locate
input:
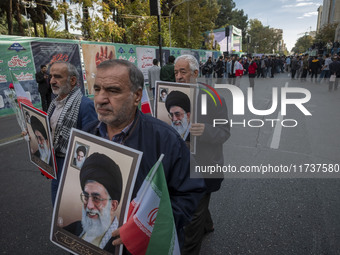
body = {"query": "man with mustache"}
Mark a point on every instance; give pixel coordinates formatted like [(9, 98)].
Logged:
[(101, 182), (43, 152), (70, 109), (178, 105), (118, 91)]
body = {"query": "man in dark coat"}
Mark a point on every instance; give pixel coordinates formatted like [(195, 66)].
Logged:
[(44, 87), (334, 68), (118, 92), (167, 71), (209, 152)]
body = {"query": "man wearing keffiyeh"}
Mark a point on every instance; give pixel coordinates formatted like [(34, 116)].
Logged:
[(69, 109)]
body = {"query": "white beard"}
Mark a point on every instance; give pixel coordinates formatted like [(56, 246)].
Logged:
[(44, 152), (96, 227), (182, 127), (79, 164)]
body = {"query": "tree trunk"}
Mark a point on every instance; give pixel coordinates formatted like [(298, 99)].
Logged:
[(18, 18), (65, 16), (44, 22), (9, 12), (35, 28), (86, 32)]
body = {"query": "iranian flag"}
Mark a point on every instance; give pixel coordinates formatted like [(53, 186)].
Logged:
[(20, 92), (145, 102), (150, 228)]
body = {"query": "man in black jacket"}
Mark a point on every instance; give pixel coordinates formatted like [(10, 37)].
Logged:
[(44, 87), (117, 94), (334, 68), (209, 152)]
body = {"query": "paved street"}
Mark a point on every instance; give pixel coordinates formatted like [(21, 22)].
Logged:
[(257, 215)]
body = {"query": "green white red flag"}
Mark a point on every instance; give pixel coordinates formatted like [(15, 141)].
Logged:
[(150, 228), (20, 92), (145, 102)]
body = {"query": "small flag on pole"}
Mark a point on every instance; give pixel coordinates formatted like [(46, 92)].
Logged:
[(145, 102), (20, 92), (150, 228)]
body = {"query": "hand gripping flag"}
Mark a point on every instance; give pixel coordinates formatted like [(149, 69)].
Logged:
[(150, 228)]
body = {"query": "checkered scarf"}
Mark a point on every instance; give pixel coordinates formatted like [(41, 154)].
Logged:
[(68, 119)]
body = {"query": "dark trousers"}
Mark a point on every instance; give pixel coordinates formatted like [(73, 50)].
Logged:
[(201, 223), (304, 74), (252, 80), (45, 99), (293, 73)]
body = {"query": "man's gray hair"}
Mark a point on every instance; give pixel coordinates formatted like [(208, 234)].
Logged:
[(72, 70), (193, 63), (136, 76)]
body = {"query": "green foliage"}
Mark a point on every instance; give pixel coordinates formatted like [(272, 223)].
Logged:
[(302, 44), (225, 15), (230, 16), (190, 20), (263, 38), (326, 33)]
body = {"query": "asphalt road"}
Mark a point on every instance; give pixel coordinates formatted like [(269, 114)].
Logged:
[(252, 214)]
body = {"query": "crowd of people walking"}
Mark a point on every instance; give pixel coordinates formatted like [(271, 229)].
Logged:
[(316, 69)]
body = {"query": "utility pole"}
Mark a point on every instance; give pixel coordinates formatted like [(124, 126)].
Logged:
[(155, 10)]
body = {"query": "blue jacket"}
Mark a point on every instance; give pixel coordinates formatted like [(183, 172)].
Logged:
[(154, 137)]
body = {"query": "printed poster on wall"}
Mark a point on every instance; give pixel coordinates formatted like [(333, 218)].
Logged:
[(46, 53), (145, 57), (17, 57), (126, 52), (93, 55), (191, 52), (165, 55)]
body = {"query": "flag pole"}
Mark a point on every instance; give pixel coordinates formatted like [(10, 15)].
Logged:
[(147, 186)]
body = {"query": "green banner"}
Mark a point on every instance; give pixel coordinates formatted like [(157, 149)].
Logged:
[(17, 56)]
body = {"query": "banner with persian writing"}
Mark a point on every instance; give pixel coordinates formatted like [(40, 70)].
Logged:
[(145, 57), (46, 53), (17, 57)]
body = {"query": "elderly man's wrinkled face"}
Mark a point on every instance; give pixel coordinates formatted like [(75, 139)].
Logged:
[(183, 73), (179, 119), (43, 145), (61, 83), (114, 100), (80, 159), (80, 156), (96, 216)]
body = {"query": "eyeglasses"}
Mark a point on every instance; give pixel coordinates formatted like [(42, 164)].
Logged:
[(96, 200), (177, 115)]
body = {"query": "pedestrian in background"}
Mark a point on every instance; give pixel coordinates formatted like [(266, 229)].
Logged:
[(44, 87), (153, 76), (334, 68), (252, 71), (168, 71), (208, 69), (219, 69)]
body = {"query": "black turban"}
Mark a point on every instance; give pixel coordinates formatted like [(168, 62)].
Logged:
[(81, 148), (177, 98), (100, 168), (37, 125)]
